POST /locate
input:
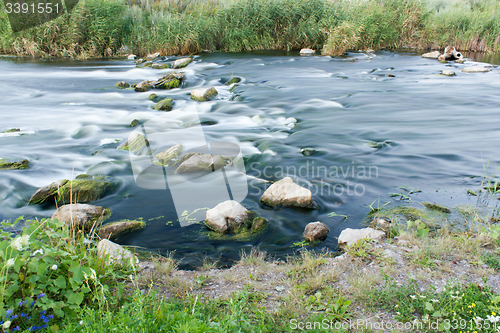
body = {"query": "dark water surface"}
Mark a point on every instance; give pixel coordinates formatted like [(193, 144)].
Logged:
[(430, 132)]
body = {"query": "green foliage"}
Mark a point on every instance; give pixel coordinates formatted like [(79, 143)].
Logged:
[(43, 259), (471, 307)]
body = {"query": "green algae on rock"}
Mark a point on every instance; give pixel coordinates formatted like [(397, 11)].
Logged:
[(112, 230), (203, 94), (12, 130), (135, 144), (164, 105), (83, 189), (181, 63), (170, 81), (24, 164), (438, 208), (167, 157), (233, 80), (122, 85)]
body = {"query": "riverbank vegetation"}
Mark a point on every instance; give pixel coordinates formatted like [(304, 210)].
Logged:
[(52, 279), (101, 28)]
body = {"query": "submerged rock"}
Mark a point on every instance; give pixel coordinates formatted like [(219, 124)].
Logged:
[(135, 144), (382, 223), (81, 216), (170, 81), (152, 56), (286, 193), (24, 164), (114, 252), (12, 130), (202, 163), (431, 55), (476, 69), (167, 157), (112, 230), (307, 52), (157, 65), (308, 151), (164, 105), (315, 231), (143, 86), (350, 236), (122, 85), (134, 123), (448, 72), (181, 63), (233, 80), (83, 189), (204, 94)]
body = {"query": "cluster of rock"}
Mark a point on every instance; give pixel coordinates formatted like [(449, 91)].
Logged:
[(451, 54)]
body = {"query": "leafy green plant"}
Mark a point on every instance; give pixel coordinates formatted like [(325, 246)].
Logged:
[(44, 259)]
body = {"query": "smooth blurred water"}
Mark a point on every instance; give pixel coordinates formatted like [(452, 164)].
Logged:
[(436, 134)]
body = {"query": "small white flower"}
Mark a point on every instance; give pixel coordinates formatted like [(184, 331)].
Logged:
[(6, 325), (10, 262), (16, 243), (435, 300), (413, 296), (25, 240), (493, 319), (54, 267), (81, 322), (38, 251)]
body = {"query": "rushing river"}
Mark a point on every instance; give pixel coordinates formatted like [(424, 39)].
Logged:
[(377, 123)]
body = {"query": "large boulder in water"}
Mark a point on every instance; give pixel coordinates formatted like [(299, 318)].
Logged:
[(112, 230), (431, 55), (164, 105), (286, 193), (315, 231), (167, 157), (80, 216), (135, 144), (476, 69), (24, 164), (143, 86), (198, 162), (170, 81), (231, 217), (204, 94), (83, 189), (181, 63)]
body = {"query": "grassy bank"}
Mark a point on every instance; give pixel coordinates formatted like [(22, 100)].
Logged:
[(51, 280), (99, 28)]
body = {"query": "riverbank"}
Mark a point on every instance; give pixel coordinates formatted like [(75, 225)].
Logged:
[(98, 28), (408, 281)]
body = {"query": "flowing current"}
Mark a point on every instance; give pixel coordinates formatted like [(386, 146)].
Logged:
[(374, 124)]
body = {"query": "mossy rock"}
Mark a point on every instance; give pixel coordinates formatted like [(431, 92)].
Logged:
[(122, 85), (134, 123), (204, 94), (157, 65), (170, 81), (167, 157), (152, 97), (81, 216), (83, 189), (202, 163), (181, 63), (164, 105), (112, 230), (233, 80), (436, 207), (143, 86), (24, 164), (135, 144), (12, 130)]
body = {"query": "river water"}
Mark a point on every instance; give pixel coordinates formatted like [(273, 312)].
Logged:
[(372, 133)]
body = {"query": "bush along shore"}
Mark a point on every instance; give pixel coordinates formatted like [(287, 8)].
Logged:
[(105, 28)]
